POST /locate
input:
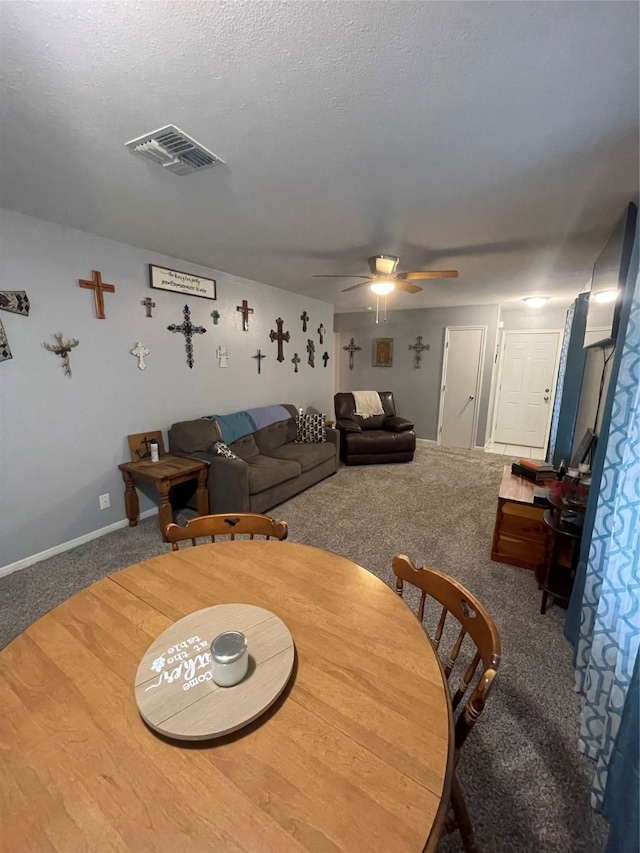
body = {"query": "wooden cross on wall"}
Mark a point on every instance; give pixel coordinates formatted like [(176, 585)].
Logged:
[(321, 333), (259, 356), (16, 302), (279, 336), (188, 330), (352, 349), (148, 304), (245, 311), (295, 361), (311, 349), (216, 316), (304, 317), (325, 358), (99, 287), (419, 348)]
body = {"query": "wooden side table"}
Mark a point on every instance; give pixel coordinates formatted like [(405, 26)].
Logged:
[(167, 472), (519, 534), (555, 578)]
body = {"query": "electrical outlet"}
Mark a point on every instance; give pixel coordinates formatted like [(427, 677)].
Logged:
[(105, 501)]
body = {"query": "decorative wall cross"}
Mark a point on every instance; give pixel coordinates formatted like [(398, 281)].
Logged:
[(140, 351), (222, 354), (99, 288), (321, 332), (419, 348), (295, 361), (325, 358), (259, 356), (304, 317), (63, 350), (16, 302), (245, 311), (188, 330), (148, 304), (311, 349), (279, 336), (352, 349), (216, 316)]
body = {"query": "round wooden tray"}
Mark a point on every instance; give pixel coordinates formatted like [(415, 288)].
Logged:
[(174, 689)]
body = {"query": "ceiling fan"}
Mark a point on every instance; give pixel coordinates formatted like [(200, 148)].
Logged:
[(384, 279)]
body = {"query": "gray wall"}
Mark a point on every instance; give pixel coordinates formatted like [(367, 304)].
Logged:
[(525, 319), (417, 392), (62, 439)]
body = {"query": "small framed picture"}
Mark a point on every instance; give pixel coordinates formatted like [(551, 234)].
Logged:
[(382, 352)]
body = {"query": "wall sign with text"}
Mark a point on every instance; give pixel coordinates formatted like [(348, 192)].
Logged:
[(182, 282)]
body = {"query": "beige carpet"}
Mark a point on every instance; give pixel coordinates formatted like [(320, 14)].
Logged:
[(526, 785)]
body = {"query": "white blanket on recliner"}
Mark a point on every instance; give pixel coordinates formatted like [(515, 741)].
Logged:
[(368, 403)]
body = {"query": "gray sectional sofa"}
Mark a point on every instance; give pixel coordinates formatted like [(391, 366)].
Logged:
[(271, 468)]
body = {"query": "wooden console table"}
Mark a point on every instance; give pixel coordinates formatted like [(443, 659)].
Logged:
[(519, 534), (167, 472)]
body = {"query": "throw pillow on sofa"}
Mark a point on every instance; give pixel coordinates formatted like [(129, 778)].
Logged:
[(223, 450), (310, 429)]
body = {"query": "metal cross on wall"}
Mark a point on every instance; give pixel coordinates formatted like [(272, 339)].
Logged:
[(140, 350), (148, 304), (311, 349), (352, 349), (295, 361), (188, 330), (99, 288), (63, 349), (16, 302), (304, 317), (419, 348), (245, 311), (325, 358), (279, 336), (259, 356), (216, 316), (321, 333)]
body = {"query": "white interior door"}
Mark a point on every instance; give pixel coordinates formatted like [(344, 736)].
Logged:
[(461, 383), (529, 365)]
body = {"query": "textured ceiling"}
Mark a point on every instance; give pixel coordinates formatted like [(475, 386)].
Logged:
[(500, 139)]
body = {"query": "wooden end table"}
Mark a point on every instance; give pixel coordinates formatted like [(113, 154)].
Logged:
[(519, 535), (167, 472)]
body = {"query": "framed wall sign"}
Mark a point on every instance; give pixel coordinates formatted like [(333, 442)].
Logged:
[(181, 282), (382, 352)]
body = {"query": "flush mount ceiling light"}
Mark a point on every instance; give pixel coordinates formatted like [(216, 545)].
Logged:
[(605, 296), (536, 301)]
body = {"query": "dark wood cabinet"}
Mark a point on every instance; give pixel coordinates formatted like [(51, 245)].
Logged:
[(519, 533)]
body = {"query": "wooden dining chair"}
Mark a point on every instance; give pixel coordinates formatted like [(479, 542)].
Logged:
[(475, 622), (249, 524)]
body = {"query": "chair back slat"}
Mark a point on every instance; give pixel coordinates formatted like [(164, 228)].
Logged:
[(230, 525), (465, 681), (440, 627), (455, 651)]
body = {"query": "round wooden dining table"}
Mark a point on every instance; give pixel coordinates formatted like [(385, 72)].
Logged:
[(355, 755)]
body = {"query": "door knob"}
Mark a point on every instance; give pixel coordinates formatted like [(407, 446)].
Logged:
[(547, 390), (546, 399)]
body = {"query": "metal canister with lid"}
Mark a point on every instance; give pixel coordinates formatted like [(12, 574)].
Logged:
[(229, 658)]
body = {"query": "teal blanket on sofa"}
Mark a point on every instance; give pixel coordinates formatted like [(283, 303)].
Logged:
[(235, 426)]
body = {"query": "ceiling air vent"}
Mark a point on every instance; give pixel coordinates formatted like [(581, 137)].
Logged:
[(173, 150)]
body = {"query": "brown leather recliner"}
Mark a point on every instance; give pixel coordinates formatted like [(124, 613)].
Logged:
[(374, 440)]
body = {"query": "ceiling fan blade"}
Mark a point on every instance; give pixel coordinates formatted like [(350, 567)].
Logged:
[(356, 286), (407, 286), (417, 275), (367, 277)]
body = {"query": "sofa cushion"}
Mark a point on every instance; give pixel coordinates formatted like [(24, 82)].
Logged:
[(197, 436), (266, 472), (272, 436), (245, 447), (307, 455), (223, 450), (379, 441), (310, 429)]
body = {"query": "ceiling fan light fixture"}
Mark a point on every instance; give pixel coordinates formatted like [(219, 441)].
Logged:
[(535, 301), (382, 287)]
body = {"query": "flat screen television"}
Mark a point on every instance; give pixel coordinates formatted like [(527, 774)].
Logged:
[(609, 277)]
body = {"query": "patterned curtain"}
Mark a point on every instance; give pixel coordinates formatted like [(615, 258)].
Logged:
[(609, 633), (562, 369)]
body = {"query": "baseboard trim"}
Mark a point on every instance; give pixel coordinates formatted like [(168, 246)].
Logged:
[(427, 441), (72, 543)]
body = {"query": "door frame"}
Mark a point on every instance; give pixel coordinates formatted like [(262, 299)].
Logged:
[(496, 400), (479, 376)]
